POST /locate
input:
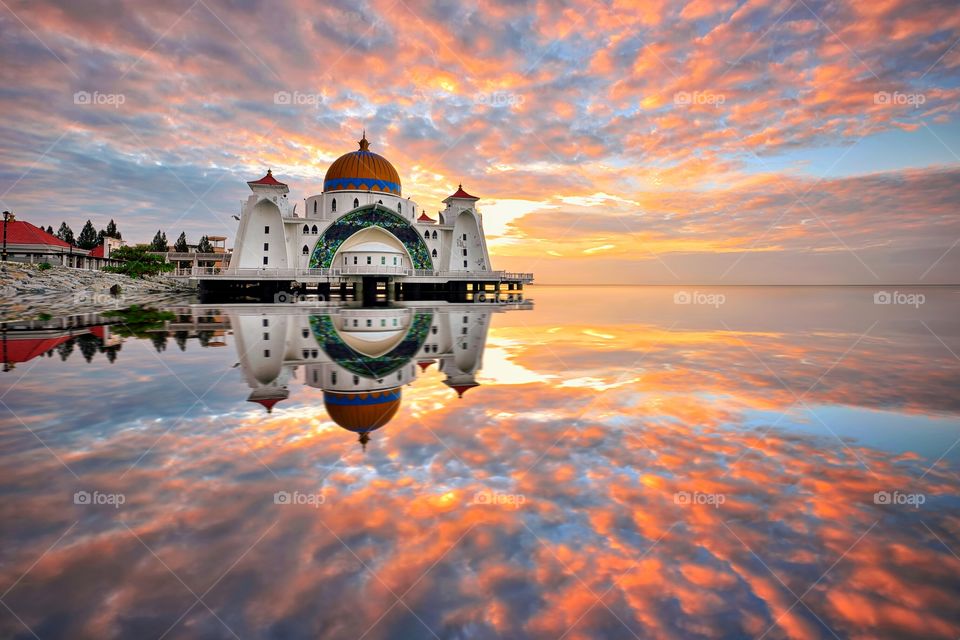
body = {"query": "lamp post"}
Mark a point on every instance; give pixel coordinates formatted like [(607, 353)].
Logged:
[(6, 217)]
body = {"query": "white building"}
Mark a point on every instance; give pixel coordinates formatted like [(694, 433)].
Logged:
[(360, 357), (362, 233)]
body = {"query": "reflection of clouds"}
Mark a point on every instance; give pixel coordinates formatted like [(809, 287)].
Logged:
[(599, 518)]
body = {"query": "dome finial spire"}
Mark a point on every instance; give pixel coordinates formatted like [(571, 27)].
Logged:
[(364, 144)]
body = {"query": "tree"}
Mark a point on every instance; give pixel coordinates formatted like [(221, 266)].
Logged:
[(138, 262), (65, 349), (112, 230), (159, 242), (181, 244), (204, 245), (65, 233), (50, 229), (88, 237)]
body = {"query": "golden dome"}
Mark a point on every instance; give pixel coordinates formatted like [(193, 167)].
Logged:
[(362, 170), (362, 411)]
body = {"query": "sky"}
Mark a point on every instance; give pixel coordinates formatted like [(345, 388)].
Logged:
[(711, 141)]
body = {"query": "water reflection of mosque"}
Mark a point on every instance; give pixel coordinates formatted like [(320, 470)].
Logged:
[(360, 357)]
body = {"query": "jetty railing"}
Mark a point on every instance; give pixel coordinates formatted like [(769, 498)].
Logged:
[(266, 273)]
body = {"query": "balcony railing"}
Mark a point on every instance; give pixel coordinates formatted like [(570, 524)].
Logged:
[(354, 270)]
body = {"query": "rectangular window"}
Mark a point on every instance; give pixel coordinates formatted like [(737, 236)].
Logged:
[(464, 262), (266, 336), (266, 260), (464, 253), (267, 230), (394, 259), (266, 353), (266, 322), (266, 246), (369, 323), (369, 260), (354, 259), (383, 259), (464, 237)]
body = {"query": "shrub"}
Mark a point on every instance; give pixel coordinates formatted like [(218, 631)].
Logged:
[(137, 262)]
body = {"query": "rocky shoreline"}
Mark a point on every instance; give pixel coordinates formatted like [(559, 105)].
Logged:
[(27, 292)]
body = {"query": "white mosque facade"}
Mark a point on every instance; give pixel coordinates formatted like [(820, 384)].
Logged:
[(361, 233)]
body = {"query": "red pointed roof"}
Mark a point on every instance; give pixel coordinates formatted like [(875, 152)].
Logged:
[(268, 180), (425, 364), (462, 194), (96, 252), (463, 388), (268, 403), (21, 232), (425, 218)]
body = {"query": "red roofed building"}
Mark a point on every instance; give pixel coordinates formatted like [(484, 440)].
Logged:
[(31, 244)]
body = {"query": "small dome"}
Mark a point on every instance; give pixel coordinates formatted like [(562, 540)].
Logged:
[(362, 411), (362, 170)]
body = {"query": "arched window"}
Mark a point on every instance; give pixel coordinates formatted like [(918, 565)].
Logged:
[(434, 235), (333, 205), (313, 230), (434, 253), (399, 208), (314, 206), (306, 249), (426, 234), (306, 229), (356, 203)]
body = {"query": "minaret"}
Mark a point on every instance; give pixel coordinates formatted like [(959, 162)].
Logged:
[(469, 247), (261, 240)]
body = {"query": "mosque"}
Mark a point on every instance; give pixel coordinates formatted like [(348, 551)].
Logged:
[(360, 357), (359, 238)]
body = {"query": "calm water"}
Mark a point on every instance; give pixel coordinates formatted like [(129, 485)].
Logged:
[(760, 462)]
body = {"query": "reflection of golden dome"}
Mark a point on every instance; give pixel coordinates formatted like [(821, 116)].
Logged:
[(362, 411), (362, 170)]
